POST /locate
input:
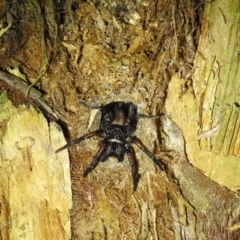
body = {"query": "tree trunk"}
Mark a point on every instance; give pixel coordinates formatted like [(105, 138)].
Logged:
[(35, 186), (143, 52), (208, 118)]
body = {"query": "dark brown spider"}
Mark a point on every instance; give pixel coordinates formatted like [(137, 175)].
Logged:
[(118, 123)]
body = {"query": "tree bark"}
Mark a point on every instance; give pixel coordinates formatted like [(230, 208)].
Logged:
[(126, 52), (208, 119), (35, 185)]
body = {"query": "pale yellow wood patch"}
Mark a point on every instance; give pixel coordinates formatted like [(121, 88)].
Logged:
[(35, 185)]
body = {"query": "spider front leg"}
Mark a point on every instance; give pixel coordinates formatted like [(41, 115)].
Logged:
[(134, 166), (148, 116), (84, 137), (146, 151), (89, 107)]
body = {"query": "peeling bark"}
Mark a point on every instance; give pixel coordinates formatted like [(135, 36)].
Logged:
[(35, 187)]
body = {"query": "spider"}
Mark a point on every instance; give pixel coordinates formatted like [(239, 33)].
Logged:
[(117, 125)]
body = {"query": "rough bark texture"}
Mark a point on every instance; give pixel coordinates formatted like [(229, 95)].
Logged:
[(208, 113), (35, 186), (209, 210), (208, 118), (139, 51)]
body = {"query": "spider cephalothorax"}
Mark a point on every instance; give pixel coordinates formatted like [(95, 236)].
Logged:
[(118, 123)]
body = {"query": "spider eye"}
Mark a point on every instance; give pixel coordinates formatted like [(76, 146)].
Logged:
[(104, 135), (108, 117), (128, 139), (127, 122)]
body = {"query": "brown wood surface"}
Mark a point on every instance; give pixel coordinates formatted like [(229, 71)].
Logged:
[(176, 58)]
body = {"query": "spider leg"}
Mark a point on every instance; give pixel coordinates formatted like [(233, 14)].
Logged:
[(134, 166), (102, 152), (89, 107), (148, 116), (147, 152), (82, 138)]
